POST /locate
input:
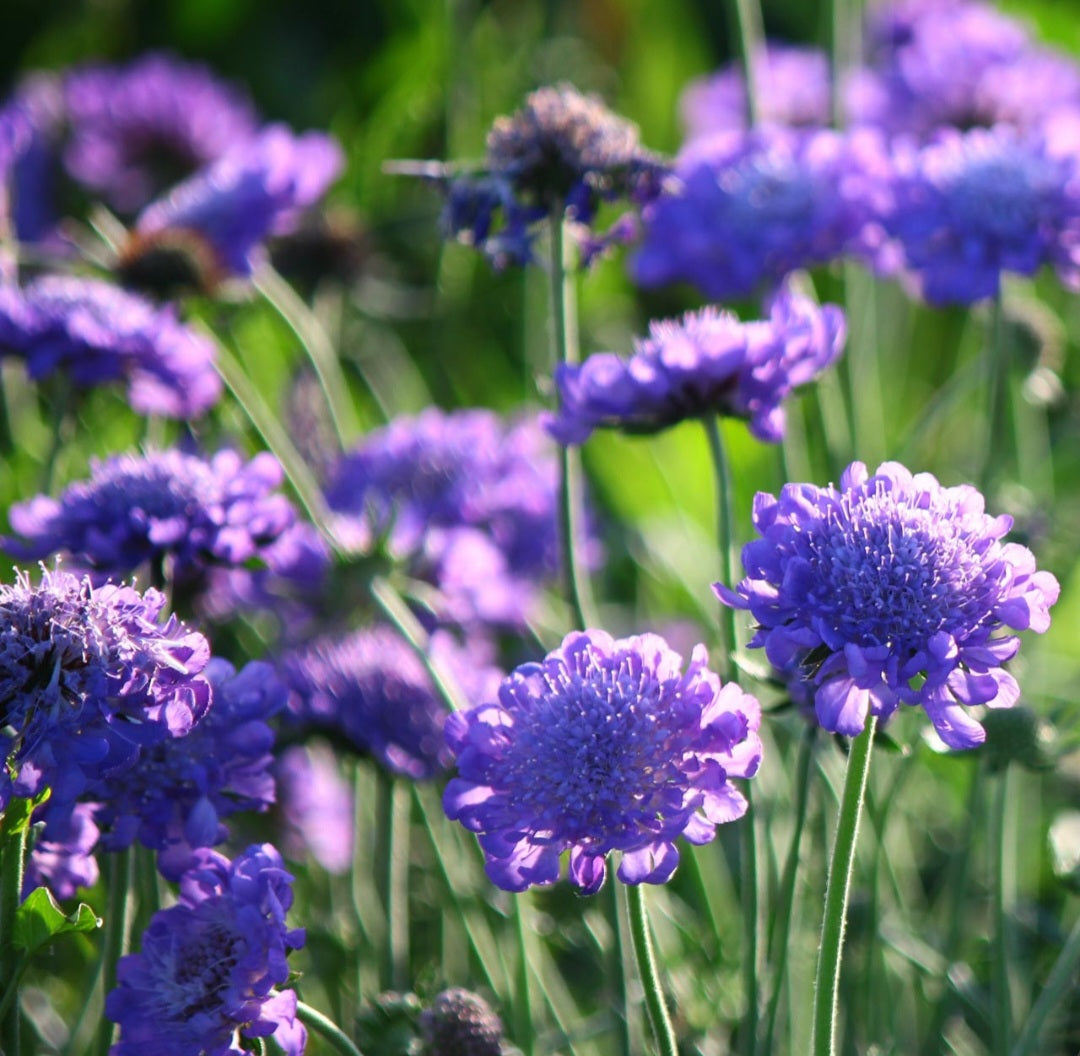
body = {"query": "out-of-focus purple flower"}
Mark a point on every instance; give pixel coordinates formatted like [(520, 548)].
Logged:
[(705, 363), (94, 332), (460, 1023), (794, 89), (971, 205), (746, 208), (209, 966), (182, 789), (317, 807), (177, 514), (561, 152), (87, 676), (370, 688), (63, 857), (137, 129), (605, 745), (891, 590), (259, 188)]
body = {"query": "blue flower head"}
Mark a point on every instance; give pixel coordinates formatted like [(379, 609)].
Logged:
[(605, 745), (891, 590)]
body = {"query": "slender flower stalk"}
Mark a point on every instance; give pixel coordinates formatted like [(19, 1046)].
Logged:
[(524, 994), (394, 810), (13, 835), (827, 987), (725, 517), (118, 914), (751, 37), (659, 1016), (1002, 839), (338, 1040)]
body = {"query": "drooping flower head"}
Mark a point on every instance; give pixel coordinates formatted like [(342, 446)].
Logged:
[(370, 688), (744, 209), (561, 151), (94, 332), (87, 676), (176, 514), (891, 590), (971, 205), (794, 89), (605, 745), (705, 363), (230, 207), (210, 965), (137, 129), (183, 789), (460, 1023)]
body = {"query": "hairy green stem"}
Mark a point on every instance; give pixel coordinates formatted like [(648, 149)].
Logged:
[(13, 839), (659, 1017), (617, 970), (119, 871), (827, 987), (327, 1029)]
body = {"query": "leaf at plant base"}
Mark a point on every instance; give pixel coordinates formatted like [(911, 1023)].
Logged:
[(39, 920)]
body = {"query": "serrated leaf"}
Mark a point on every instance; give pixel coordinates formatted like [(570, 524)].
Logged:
[(39, 920)]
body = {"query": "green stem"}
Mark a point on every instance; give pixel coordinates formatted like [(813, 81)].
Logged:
[(1060, 980), (996, 397), (751, 34), (650, 978), (327, 1029), (394, 819), (1003, 866), (751, 913), (779, 941), (7, 441), (827, 989), (13, 837), (523, 989), (617, 970), (725, 518), (119, 868)]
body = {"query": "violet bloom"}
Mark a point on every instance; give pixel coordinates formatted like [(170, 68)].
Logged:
[(370, 689), (561, 152), (605, 745), (94, 332), (139, 128), (317, 807), (705, 363), (62, 858), (794, 89), (87, 677), (259, 188), (177, 514), (746, 208), (210, 965), (972, 205), (181, 790), (891, 590)]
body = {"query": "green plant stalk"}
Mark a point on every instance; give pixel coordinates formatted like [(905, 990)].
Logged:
[(119, 870), (725, 518), (827, 987), (779, 941), (1001, 837), (327, 1029), (997, 396), (659, 1017), (12, 867), (523, 989), (751, 34), (394, 820), (617, 970), (1058, 982)]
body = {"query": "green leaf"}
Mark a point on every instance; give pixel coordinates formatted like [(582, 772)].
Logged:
[(39, 920), (15, 818)]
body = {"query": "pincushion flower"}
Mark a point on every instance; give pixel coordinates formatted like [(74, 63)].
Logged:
[(891, 590), (87, 676), (209, 965), (94, 332), (605, 745), (706, 363), (460, 1023)]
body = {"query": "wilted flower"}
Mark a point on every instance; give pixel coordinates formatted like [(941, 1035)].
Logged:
[(460, 1023), (705, 363), (209, 965), (891, 590), (87, 676), (94, 332), (605, 745)]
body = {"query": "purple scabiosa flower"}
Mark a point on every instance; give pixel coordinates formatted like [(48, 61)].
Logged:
[(971, 205), (137, 129), (891, 590), (317, 807), (95, 332), (209, 965), (229, 208), (460, 1023), (605, 745), (705, 363), (370, 688), (562, 151), (744, 209), (63, 859), (794, 90), (87, 676), (176, 514), (183, 788)]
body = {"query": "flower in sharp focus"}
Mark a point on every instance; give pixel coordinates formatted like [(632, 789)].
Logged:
[(209, 965), (605, 745), (137, 129), (891, 590), (460, 1023), (177, 513), (87, 676), (705, 363), (93, 332)]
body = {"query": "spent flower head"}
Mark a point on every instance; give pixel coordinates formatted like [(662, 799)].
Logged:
[(460, 1023), (891, 590), (605, 745)]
